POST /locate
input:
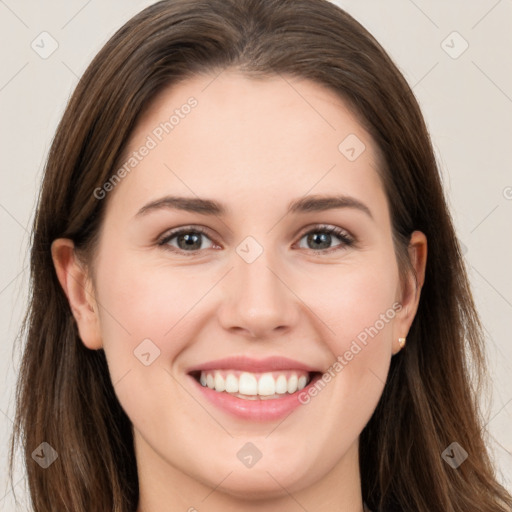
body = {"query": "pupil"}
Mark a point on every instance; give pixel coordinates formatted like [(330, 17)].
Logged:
[(190, 240), (324, 238)]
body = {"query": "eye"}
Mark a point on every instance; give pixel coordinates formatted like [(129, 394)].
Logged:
[(187, 239), (321, 237)]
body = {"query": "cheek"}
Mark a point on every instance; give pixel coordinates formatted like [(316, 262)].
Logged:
[(140, 302), (147, 318), (357, 307), (354, 301)]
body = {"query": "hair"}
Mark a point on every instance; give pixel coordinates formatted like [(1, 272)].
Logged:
[(65, 396)]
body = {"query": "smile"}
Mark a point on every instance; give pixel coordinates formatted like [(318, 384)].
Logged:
[(253, 389), (255, 386)]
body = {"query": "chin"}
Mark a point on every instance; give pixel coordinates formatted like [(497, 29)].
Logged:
[(261, 483), (251, 487)]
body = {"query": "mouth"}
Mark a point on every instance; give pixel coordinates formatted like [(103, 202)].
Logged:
[(256, 390), (271, 385)]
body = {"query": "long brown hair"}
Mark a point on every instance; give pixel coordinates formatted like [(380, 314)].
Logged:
[(65, 396)]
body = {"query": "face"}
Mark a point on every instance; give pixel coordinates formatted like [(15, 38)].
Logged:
[(295, 290)]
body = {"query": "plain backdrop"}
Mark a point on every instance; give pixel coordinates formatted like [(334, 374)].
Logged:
[(456, 56)]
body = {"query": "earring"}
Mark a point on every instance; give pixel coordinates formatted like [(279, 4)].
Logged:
[(401, 342)]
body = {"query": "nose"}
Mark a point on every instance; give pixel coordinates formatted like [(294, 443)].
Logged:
[(258, 302)]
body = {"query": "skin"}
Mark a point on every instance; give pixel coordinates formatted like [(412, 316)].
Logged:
[(254, 145)]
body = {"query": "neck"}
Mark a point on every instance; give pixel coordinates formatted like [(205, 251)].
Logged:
[(165, 488)]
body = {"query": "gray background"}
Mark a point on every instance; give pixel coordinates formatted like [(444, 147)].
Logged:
[(466, 97)]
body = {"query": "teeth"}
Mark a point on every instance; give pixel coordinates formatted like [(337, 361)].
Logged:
[(231, 383), (219, 382), (281, 385), (253, 385), (247, 385), (266, 385), (291, 385)]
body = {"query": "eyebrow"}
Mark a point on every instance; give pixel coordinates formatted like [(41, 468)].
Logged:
[(312, 203)]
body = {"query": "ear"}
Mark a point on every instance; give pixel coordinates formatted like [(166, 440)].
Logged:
[(410, 290), (77, 286)]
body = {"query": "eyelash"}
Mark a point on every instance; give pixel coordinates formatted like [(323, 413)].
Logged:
[(346, 239)]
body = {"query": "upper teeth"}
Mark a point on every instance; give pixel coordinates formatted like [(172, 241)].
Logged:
[(245, 383)]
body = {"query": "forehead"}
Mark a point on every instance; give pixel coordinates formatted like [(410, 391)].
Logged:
[(233, 136)]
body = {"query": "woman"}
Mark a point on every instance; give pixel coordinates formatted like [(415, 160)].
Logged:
[(189, 345)]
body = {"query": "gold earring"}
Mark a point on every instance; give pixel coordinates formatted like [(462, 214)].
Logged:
[(401, 342)]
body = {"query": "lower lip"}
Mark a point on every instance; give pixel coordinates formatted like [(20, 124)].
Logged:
[(255, 410)]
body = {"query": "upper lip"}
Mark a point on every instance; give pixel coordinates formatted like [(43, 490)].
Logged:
[(244, 363)]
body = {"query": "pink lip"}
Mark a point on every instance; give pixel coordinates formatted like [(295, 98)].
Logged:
[(255, 410), (247, 364)]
